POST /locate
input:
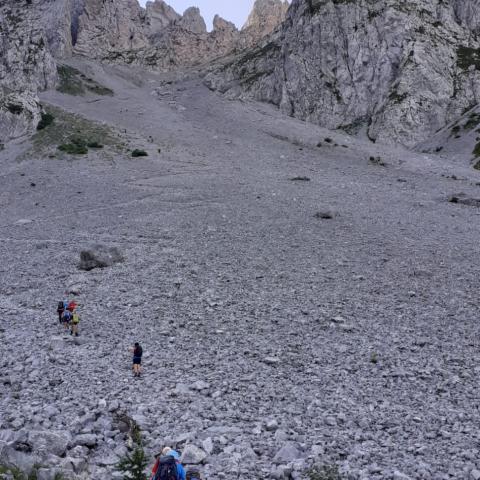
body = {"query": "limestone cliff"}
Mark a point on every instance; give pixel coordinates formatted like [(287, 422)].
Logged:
[(400, 71), (110, 26), (265, 17), (26, 65), (33, 33), (159, 38)]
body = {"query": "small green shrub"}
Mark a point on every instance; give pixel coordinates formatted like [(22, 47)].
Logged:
[(377, 161), (73, 149), (326, 472), (477, 166), (46, 120), (472, 122), (139, 153), (133, 466), (17, 474), (94, 144)]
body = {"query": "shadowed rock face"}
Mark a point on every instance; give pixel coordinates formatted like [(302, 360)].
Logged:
[(399, 71)]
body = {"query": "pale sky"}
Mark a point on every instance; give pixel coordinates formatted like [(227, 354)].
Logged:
[(235, 11)]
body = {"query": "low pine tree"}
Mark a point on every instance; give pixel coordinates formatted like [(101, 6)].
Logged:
[(133, 465)]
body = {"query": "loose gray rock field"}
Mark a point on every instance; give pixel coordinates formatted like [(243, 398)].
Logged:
[(298, 303)]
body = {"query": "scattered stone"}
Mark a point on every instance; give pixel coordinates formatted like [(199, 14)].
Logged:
[(325, 215), (464, 199), (99, 256), (86, 440), (300, 179), (271, 425), (272, 361), (289, 452), (193, 455)]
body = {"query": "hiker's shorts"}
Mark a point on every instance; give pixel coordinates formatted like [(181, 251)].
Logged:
[(137, 361)]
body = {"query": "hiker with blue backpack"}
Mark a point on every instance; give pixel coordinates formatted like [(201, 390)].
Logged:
[(168, 466)]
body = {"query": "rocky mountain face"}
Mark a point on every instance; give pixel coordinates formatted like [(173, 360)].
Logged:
[(265, 17), (160, 38), (26, 65), (399, 71), (36, 32), (110, 26)]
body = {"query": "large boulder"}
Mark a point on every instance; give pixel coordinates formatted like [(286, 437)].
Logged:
[(99, 256), (193, 455), (55, 443), (89, 440), (20, 113), (18, 456)]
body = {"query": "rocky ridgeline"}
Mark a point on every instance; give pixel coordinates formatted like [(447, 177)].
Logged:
[(160, 38), (399, 71)]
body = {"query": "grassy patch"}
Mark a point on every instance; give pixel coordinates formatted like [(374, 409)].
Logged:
[(16, 474), (98, 89), (73, 134), (46, 120), (476, 151), (69, 81), (74, 82), (139, 153), (472, 122), (73, 148), (324, 473)]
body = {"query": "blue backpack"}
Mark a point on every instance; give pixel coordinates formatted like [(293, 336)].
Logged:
[(167, 469)]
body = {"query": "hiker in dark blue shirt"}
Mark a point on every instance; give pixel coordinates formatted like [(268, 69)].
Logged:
[(137, 358)]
